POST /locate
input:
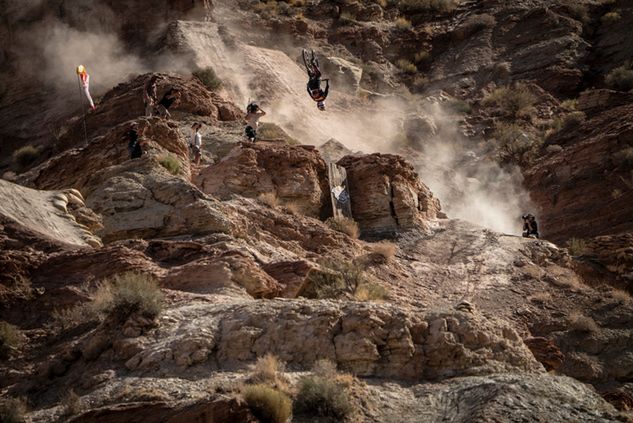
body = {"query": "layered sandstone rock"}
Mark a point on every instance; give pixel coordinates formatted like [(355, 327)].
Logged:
[(294, 174), (386, 194)]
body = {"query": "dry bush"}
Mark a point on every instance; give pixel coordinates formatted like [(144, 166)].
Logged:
[(576, 246), (346, 18), (71, 404), (170, 163), (421, 56), (554, 148), (25, 156), (502, 69), (322, 397), (569, 105), (266, 9), (514, 144), (268, 404), (13, 410), (402, 23), (293, 208), (417, 6), (370, 291), (610, 18), (512, 101), (126, 294), (10, 338), (457, 106), (335, 279), (620, 78), (620, 295), (324, 368), (269, 198), (268, 370), (420, 81), (481, 21), (386, 249), (70, 317), (345, 225), (208, 77), (407, 66), (582, 323)]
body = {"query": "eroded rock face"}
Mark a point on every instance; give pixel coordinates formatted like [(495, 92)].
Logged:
[(294, 174), (386, 194), (615, 252)]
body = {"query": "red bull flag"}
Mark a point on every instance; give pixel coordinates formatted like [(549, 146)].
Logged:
[(84, 78)]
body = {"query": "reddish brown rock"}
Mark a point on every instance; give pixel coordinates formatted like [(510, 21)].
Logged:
[(291, 274), (386, 194), (546, 352), (294, 174)]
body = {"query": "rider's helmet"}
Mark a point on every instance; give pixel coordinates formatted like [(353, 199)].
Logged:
[(525, 216), (321, 105), (252, 107)]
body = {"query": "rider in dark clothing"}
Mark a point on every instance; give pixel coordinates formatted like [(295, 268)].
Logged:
[(134, 143), (170, 97), (530, 227), (314, 84)]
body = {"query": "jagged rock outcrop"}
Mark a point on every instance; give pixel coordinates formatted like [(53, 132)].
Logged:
[(615, 252), (569, 185), (294, 174), (386, 194)]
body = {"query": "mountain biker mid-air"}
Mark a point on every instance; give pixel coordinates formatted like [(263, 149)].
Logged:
[(314, 82)]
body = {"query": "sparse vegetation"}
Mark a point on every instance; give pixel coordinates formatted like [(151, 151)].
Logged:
[(209, 78), (268, 404), (322, 397), (568, 121), (420, 81), (624, 157), (458, 106), (269, 198), (417, 6), (620, 295), (620, 78), (10, 338), (324, 368), (293, 208), (514, 143), (25, 156), (421, 56), (346, 18), (407, 66), (402, 23), (385, 249), (569, 105), (554, 148), (71, 317), (582, 323), (576, 246), (272, 131), (334, 279), (266, 9), (512, 101), (610, 18), (540, 298), (170, 163), (268, 370), (502, 70), (370, 291), (71, 404), (127, 294), (345, 225), (13, 410)]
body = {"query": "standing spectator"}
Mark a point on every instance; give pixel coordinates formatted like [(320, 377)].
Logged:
[(196, 143)]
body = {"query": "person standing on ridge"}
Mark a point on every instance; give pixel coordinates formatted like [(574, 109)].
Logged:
[(196, 143), (149, 95), (530, 227), (253, 113), (314, 80)]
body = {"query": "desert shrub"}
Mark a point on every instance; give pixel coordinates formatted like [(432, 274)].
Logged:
[(335, 278), (402, 23), (272, 131), (511, 100), (421, 56), (370, 291), (610, 18), (324, 368), (569, 105), (13, 410), (620, 78), (266, 9), (624, 157), (540, 298), (417, 6), (569, 121), (297, 3), (293, 208), (514, 143), (458, 106), (582, 323), (269, 198), (10, 338), (554, 148), (70, 317), (209, 78), (71, 404), (406, 66), (126, 294), (267, 371), (620, 295), (502, 69), (385, 249), (322, 397), (268, 404), (481, 21), (616, 193), (345, 225), (170, 163), (420, 81), (25, 156), (576, 246)]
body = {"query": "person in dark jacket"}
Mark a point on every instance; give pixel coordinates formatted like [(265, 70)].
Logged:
[(135, 143), (171, 97), (314, 83), (530, 227)]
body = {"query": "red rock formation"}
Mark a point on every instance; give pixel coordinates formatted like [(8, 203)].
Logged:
[(386, 193), (586, 189), (294, 174), (546, 352)]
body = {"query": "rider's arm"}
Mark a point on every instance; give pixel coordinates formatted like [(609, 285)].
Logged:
[(261, 112)]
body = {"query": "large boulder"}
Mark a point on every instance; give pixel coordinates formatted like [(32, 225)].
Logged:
[(387, 195), (294, 174)]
